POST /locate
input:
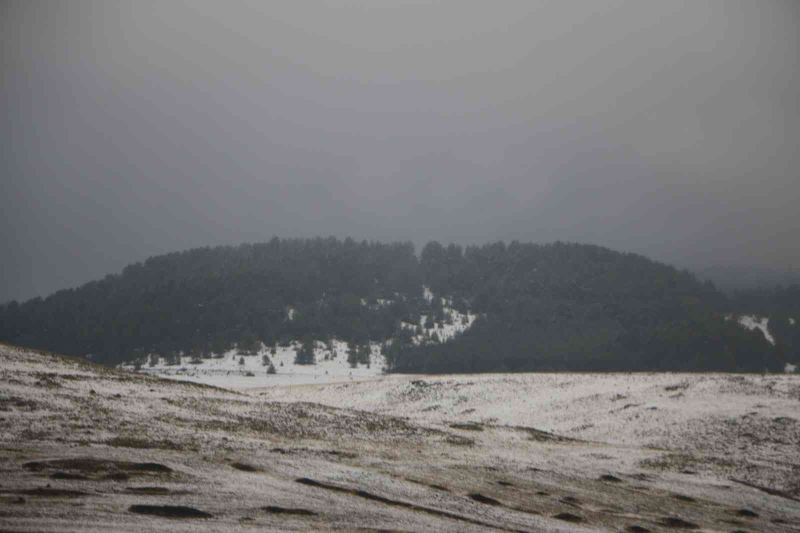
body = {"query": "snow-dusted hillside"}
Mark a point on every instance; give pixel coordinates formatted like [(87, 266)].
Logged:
[(87, 448), (711, 426), (655, 409)]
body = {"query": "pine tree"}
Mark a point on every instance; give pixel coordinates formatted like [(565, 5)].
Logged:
[(364, 354), (249, 344), (352, 354), (305, 355)]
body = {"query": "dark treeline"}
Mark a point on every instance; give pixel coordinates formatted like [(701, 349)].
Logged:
[(207, 300), (540, 307)]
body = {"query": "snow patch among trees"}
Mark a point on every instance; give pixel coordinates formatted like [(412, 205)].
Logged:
[(753, 322), (251, 363)]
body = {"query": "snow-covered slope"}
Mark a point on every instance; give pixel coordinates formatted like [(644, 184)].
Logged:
[(721, 425), (236, 370), (623, 408), (87, 448)]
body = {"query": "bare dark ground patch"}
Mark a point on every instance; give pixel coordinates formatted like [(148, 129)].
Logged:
[(169, 511), (274, 509), (412, 506), (677, 523), (142, 444), (244, 467), (484, 499), (332, 453), (153, 491), (569, 517), (68, 475), (49, 492), (467, 426), (90, 468)]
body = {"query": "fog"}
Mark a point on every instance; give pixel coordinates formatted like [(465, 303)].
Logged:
[(667, 128)]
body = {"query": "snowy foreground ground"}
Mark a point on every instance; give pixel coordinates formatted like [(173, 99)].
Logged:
[(85, 448)]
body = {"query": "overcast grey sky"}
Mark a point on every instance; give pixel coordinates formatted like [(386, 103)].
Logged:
[(669, 128)]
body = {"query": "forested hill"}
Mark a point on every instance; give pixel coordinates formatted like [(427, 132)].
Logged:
[(538, 307)]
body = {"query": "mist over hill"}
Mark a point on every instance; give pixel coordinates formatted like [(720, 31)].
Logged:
[(519, 307)]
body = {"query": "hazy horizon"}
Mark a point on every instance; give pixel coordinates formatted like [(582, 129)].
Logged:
[(132, 129)]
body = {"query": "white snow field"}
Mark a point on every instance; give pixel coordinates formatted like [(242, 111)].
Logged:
[(236, 370), (716, 424), (87, 448)]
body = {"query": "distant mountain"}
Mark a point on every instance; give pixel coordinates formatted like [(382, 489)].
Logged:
[(496, 307)]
